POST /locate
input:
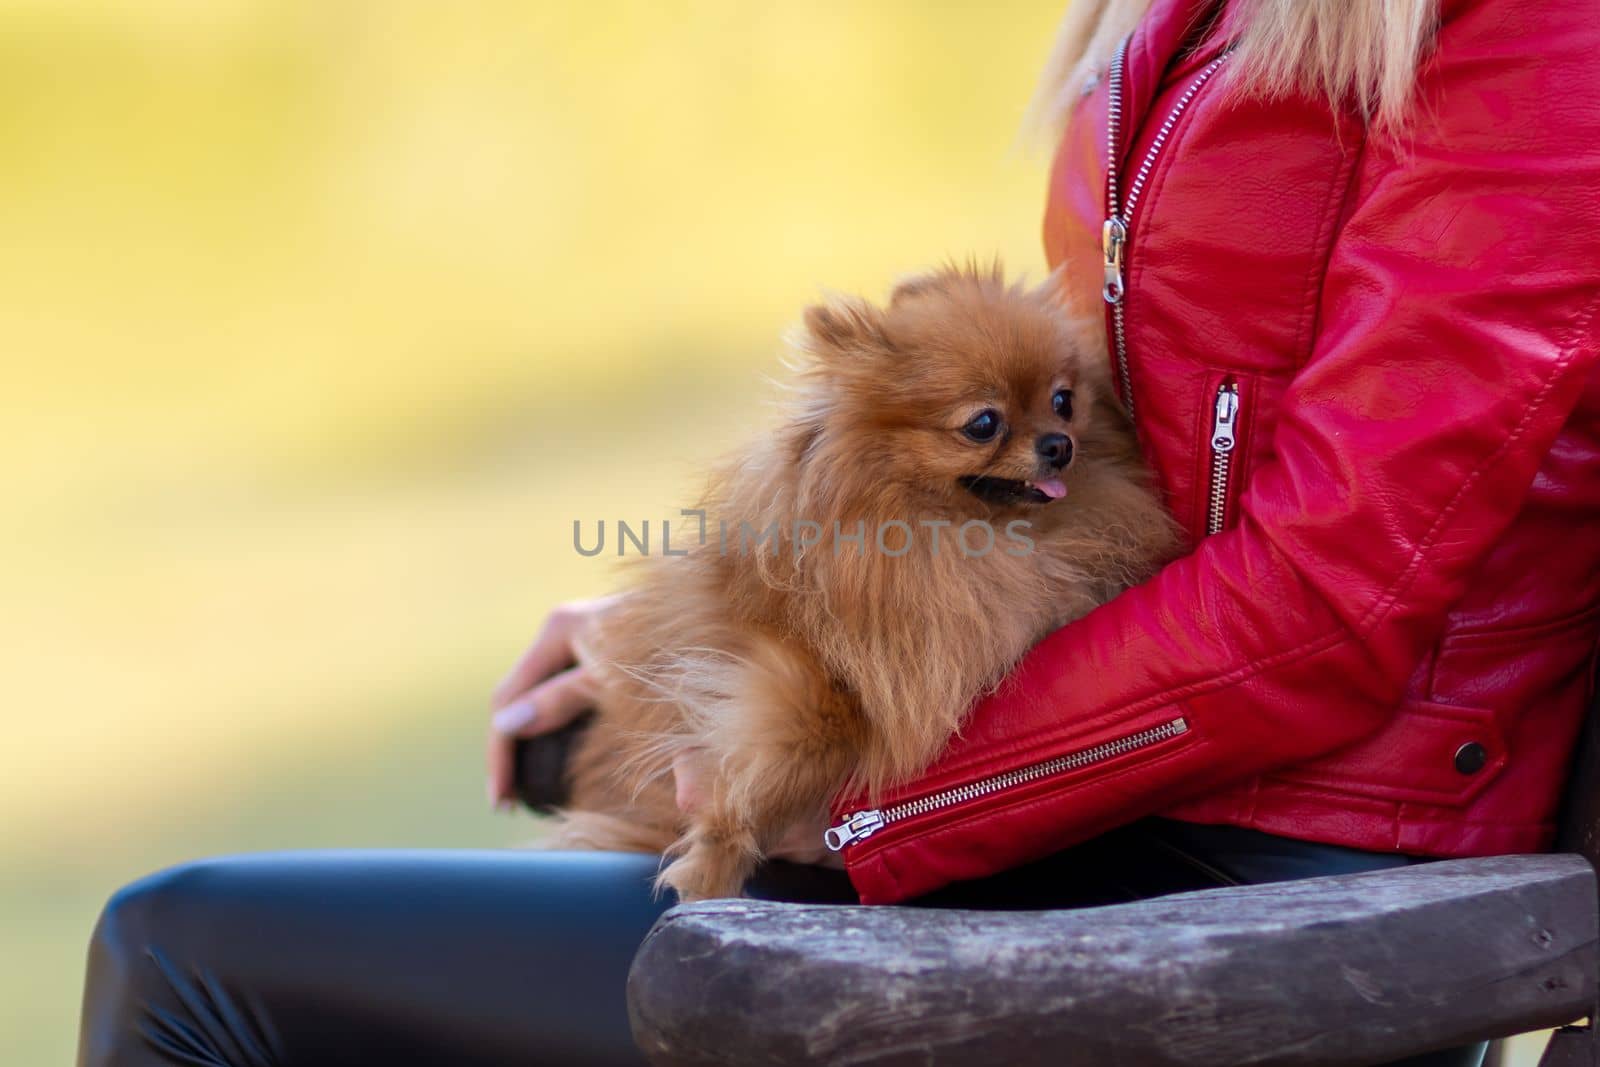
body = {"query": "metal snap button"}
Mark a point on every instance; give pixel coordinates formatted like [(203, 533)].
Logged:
[(1471, 758)]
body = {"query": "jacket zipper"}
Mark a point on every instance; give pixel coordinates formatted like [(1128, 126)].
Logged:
[(861, 825), (1224, 437), (1114, 233)]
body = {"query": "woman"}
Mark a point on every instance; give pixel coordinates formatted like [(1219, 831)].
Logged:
[(1349, 257)]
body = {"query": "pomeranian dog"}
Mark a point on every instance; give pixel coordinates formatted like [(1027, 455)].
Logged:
[(953, 480)]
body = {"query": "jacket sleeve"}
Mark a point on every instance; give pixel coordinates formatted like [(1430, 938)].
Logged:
[(1457, 330)]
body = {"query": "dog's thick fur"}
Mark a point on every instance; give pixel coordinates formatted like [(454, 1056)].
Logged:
[(790, 673)]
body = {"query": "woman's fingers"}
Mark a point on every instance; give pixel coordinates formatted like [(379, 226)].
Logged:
[(803, 844), (519, 708), (686, 783), (548, 706), (550, 651), (502, 761)]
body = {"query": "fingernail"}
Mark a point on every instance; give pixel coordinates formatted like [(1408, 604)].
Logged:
[(510, 719)]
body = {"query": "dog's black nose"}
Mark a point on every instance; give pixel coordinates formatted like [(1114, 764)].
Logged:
[(1055, 449)]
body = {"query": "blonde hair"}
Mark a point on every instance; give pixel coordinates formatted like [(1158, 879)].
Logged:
[(1351, 52)]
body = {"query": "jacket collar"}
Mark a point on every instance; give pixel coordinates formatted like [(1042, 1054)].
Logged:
[(1151, 48)]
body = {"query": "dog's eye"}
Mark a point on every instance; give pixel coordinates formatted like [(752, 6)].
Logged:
[(982, 426), (1061, 403)]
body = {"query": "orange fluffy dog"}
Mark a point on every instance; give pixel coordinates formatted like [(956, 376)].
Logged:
[(953, 481)]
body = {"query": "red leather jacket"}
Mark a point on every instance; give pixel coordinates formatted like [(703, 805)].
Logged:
[(1365, 371)]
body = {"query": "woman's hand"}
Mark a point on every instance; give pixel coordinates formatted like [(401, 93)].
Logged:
[(548, 688), (801, 843), (552, 684)]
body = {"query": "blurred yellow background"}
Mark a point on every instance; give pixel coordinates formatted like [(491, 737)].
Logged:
[(321, 322)]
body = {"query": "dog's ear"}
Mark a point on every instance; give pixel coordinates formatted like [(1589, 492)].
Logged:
[(949, 278), (846, 326), (918, 285)]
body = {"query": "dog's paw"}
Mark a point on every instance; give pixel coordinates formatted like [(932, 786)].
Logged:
[(706, 872)]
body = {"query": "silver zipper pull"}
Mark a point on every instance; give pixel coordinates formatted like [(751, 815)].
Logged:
[(862, 824), (1113, 243), (1222, 439)]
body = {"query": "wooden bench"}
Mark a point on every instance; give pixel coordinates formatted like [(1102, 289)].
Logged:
[(1345, 971)]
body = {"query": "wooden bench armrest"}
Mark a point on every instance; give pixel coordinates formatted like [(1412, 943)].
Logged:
[(1331, 972)]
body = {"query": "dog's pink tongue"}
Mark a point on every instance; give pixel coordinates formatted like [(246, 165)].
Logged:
[(1054, 488)]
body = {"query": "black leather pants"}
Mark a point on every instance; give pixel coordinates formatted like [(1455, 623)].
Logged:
[(476, 958)]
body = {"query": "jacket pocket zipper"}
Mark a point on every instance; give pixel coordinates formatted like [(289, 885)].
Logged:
[(861, 825), (1115, 232), (1224, 437)]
